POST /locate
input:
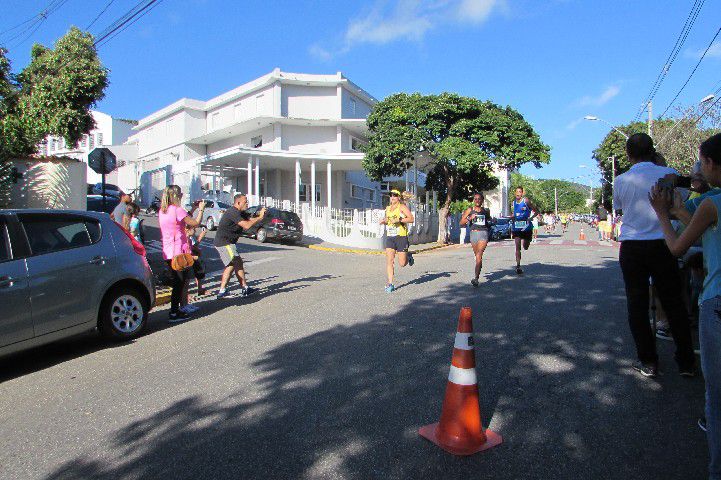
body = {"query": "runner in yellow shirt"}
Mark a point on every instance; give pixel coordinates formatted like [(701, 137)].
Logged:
[(396, 220)]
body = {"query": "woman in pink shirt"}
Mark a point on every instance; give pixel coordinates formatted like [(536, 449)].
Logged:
[(173, 219)]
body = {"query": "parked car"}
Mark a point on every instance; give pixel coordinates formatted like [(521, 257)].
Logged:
[(276, 224), (110, 189), (213, 211), (95, 203), (501, 228), (77, 270)]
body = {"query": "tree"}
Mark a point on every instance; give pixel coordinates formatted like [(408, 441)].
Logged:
[(571, 196), (51, 96), (460, 139)]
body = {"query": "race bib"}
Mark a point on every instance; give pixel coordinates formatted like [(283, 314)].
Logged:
[(391, 231), (520, 224), (480, 220)]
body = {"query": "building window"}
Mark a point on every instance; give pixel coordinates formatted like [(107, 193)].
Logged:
[(53, 145), (356, 144), (91, 141), (100, 139), (256, 142), (353, 105), (362, 193), (303, 192), (84, 141)]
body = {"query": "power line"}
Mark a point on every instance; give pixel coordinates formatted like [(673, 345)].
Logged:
[(154, 4), (99, 15), (680, 40), (693, 71), (129, 17), (35, 22)]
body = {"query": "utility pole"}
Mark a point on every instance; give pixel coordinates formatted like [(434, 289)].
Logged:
[(555, 197), (613, 185), (590, 207), (650, 119)]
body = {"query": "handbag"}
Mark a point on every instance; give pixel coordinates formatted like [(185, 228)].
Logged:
[(181, 261)]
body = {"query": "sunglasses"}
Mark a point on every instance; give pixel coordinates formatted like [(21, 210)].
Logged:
[(394, 195)]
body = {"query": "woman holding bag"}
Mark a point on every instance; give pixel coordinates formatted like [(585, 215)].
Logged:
[(173, 219)]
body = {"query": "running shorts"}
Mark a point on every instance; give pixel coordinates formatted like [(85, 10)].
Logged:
[(479, 236), (524, 234), (398, 243), (227, 253)]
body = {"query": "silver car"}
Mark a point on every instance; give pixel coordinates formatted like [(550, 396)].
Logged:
[(213, 211), (66, 272)]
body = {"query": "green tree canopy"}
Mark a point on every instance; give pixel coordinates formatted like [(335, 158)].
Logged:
[(572, 196), (461, 138), (51, 96)]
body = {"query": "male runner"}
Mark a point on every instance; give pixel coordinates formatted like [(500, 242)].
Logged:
[(564, 222), (523, 212), (396, 220), (479, 218), (230, 227)]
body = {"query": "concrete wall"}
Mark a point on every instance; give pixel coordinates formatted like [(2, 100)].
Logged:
[(51, 184), (310, 139), (244, 140), (256, 104), (300, 101), (362, 109)]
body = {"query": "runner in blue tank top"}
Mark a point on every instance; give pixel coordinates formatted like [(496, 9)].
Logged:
[(523, 212)]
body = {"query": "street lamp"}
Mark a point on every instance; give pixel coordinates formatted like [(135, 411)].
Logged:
[(596, 119)]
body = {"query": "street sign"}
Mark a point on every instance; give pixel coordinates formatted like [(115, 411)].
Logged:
[(102, 160)]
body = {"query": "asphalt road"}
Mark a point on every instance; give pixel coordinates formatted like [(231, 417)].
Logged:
[(323, 375)]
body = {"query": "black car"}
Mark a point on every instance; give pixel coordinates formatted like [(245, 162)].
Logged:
[(276, 224), (501, 228), (95, 203)]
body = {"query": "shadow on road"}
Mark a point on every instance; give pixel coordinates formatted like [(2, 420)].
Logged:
[(553, 359)]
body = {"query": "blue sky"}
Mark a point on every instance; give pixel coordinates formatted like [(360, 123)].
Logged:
[(554, 61)]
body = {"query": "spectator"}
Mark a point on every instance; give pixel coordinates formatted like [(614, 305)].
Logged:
[(173, 218), (703, 224), (120, 213), (644, 254), (134, 227)]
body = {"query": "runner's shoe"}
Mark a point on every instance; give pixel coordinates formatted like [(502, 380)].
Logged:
[(519, 270), (645, 370), (411, 261), (474, 282), (248, 291), (221, 294), (390, 288)]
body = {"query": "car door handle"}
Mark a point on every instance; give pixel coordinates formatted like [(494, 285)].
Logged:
[(6, 282), (98, 260)]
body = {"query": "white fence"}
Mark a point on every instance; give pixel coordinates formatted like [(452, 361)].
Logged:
[(353, 227)]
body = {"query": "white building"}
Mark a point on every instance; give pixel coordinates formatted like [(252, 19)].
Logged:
[(108, 131), (286, 139)]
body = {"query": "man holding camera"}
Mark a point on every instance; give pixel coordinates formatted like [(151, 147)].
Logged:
[(644, 254), (230, 227)]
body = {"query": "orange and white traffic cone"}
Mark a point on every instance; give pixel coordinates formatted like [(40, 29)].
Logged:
[(582, 235), (459, 430)]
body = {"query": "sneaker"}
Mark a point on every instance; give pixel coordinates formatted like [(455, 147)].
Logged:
[(410, 259), (702, 423), (688, 372), (189, 308), (179, 316), (519, 270), (247, 291), (663, 334), (645, 370), (474, 282), (221, 294), (390, 288)]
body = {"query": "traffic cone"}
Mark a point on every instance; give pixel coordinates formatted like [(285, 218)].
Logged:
[(459, 430), (582, 235)]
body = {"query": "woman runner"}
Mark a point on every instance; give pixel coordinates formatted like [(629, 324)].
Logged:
[(479, 219), (396, 220)]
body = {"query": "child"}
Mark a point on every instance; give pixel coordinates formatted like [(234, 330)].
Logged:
[(132, 211), (198, 267)]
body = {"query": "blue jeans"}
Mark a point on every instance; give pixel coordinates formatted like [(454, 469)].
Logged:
[(709, 332)]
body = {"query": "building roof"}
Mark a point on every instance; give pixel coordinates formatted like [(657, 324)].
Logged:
[(276, 75)]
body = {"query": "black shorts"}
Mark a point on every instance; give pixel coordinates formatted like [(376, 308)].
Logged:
[(524, 234), (398, 243)]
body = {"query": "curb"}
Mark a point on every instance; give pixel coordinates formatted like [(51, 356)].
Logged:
[(162, 297)]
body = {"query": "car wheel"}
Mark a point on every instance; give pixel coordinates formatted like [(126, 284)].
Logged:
[(210, 224), (123, 314), (262, 235)]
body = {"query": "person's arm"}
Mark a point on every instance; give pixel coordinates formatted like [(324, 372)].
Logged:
[(202, 235), (409, 218), (533, 208), (194, 222), (704, 217), (384, 220), (126, 221), (247, 224), (464, 217)]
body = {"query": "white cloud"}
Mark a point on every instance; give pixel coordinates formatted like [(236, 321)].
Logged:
[(320, 53), (408, 20), (574, 124), (598, 100), (713, 52)]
